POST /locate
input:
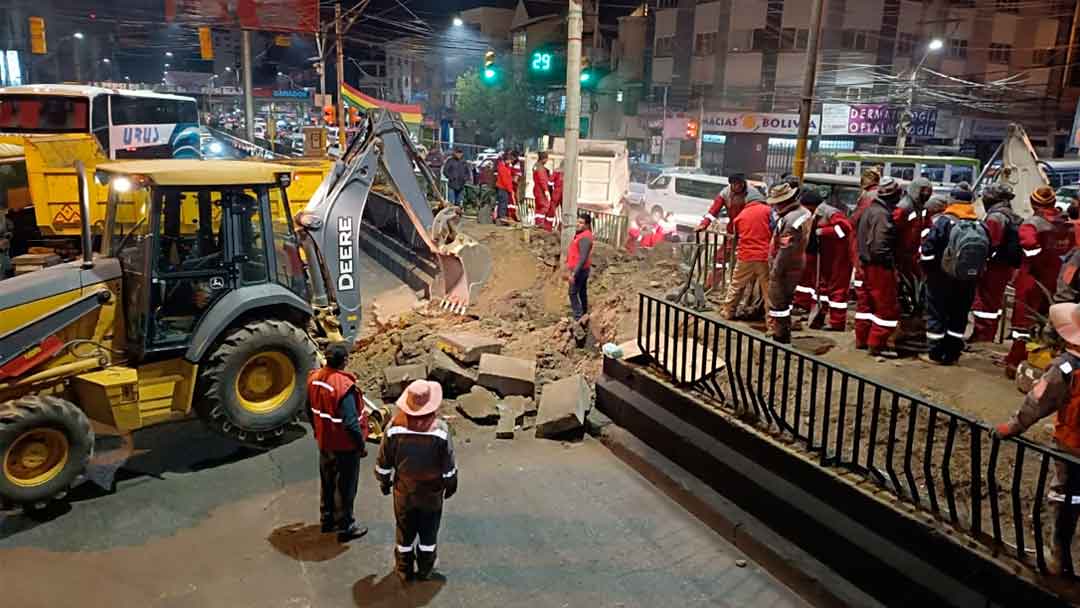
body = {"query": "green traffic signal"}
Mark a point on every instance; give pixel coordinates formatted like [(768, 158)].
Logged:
[(489, 74), (541, 62), (586, 76)]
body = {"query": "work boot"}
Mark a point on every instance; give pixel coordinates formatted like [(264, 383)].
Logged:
[(884, 353), (352, 532)]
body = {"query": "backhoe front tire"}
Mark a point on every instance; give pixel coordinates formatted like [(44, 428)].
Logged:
[(45, 444), (252, 385)]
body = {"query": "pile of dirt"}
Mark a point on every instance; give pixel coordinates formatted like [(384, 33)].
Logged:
[(525, 304)]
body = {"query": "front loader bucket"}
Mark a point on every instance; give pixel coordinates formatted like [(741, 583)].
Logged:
[(464, 267)]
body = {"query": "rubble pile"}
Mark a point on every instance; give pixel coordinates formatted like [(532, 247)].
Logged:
[(496, 364)]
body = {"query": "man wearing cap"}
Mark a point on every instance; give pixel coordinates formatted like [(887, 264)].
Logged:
[(879, 309), (1003, 226), (1045, 238), (950, 284), (753, 237), (340, 426), (1058, 392), (830, 234), (910, 219), (416, 459), (869, 181), (457, 174), (785, 257), (732, 198), (806, 291)]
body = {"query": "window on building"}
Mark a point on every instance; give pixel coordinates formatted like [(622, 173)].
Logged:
[(794, 38), (958, 48), (667, 4), (700, 91), (1000, 53), (664, 46), (740, 40), (858, 93), (519, 42), (906, 44), (762, 39), (858, 40), (705, 44), (1008, 6), (1042, 56)]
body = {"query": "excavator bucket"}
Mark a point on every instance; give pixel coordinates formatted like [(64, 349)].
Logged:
[(464, 267)]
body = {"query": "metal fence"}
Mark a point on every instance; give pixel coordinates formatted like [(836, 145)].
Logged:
[(610, 228), (709, 260), (940, 461)]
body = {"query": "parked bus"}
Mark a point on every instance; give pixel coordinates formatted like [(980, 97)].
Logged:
[(942, 171), (127, 124)]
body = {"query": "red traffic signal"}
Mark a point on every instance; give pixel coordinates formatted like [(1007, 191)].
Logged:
[(692, 128), (328, 115)]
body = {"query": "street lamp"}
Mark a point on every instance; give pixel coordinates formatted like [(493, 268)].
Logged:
[(78, 35), (106, 60), (904, 128), (168, 53), (458, 22)]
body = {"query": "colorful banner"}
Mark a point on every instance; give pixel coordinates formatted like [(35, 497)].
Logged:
[(267, 15), (883, 119), (756, 122), (410, 113)]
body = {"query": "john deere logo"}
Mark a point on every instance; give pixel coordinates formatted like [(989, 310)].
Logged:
[(217, 282)]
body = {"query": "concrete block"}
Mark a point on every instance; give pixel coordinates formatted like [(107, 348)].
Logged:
[(455, 379), (564, 405), (505, 427), (507, 375), (467, 348), (397, 377), (479, 406), (519, 407)]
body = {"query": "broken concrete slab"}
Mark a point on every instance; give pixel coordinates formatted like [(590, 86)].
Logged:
[(519, 407), (479, 406), (397, 377), (505, 428), (564, 405), (454, 378), (507, 375), (467, 348)]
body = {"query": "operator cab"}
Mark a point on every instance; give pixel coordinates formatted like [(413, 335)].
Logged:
[(189, 232)]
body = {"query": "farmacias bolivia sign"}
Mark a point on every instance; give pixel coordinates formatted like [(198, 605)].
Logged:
[(755, 122)]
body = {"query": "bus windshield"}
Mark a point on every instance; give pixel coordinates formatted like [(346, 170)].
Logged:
[(44, 114)]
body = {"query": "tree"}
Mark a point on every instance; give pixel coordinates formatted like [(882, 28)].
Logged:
[(507, 109)]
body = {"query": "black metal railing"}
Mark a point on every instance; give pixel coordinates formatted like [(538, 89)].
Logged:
[(709, 260), (610, 228), (940, 461)]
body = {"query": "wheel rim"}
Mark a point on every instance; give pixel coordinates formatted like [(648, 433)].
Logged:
[(265, 382), (36, 457)]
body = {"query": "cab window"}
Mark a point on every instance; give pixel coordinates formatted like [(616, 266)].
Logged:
[(660, 183), (696, 188)]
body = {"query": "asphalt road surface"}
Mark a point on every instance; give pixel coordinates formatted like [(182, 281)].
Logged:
[(196, 521)]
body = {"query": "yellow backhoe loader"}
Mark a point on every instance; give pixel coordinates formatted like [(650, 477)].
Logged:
[(209, 294)]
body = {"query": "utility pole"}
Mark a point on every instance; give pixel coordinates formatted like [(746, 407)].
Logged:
[(700, 131), (663, 138), (806, 105), (320, 47), (573, 125), (342, 122), (249, 102)]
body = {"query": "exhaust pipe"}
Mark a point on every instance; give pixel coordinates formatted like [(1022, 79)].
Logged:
[(84, 211)]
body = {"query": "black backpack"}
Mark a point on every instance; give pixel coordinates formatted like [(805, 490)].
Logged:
[(967, 252), (1009, 251)]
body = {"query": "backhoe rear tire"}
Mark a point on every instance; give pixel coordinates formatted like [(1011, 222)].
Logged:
[(252, 385), (45, 444)]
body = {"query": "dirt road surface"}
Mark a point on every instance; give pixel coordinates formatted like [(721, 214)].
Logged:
[(195, 521)]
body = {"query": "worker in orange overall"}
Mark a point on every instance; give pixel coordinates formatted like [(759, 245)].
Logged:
[(1058, 392), (1045, 238)]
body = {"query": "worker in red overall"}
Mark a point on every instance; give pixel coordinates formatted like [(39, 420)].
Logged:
[(832, 231), (876, 236), (543, 213), (1003, 226), (786, 257), (806, 289), (910, 220), (504, 188), (1045, 238), (339, 422), (1058, 392), (870, 180)]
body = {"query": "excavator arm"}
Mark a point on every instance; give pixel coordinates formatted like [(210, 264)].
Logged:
[(1020, 169), (383, 158)]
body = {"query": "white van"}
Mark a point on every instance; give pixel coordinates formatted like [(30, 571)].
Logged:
[(686, 196)]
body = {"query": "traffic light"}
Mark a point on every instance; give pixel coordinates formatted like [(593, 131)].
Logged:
[(692, 128), (37, 36), (328, 115), (586, 71), (354, 116), (491, 71), (542, 61), (206, 45)]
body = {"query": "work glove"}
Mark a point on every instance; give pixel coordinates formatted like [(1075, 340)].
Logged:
[(701, 227), (385, 489), (1003, 431)]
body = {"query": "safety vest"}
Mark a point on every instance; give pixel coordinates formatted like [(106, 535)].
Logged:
[(573, 255), (326, 388)]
